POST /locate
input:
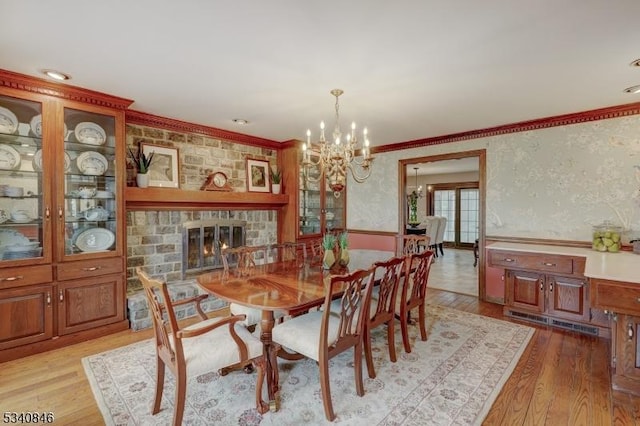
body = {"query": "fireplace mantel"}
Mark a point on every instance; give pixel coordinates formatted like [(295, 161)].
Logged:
[(179, 199)]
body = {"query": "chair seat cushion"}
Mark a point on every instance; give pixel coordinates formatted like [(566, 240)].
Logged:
[(216, 349), (254, 316), (302, 333)]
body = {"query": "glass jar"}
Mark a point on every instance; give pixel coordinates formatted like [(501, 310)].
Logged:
[(607, 237)]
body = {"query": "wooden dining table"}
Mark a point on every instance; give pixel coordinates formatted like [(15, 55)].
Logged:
[(290, 287)]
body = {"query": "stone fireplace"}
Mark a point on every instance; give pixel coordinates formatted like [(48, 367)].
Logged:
[(155, 241), (203, 239)]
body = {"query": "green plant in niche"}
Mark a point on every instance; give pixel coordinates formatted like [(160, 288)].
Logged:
[(276, 175), (141, 161)]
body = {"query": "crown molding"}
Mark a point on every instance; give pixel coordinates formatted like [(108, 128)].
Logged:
[(523, 126), (72, 93), (150, 120)]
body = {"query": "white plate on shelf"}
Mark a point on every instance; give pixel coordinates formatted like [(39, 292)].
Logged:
[(10, 237), (95, 239), (9, 158), (26, 220), (31, 245), (37, 161), (36, 126), (8, 121), (92, 163), (90, 133)]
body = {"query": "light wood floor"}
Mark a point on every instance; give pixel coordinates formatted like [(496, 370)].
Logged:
[(561, 379)]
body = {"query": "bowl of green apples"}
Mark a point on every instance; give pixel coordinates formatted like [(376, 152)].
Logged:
[(607, 238)]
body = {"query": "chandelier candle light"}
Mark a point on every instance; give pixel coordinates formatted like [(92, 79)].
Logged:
[(336, 157)]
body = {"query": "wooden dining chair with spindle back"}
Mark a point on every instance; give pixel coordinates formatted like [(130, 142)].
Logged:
[(323, 334), (213, 344), (413, 293), (383, 306)]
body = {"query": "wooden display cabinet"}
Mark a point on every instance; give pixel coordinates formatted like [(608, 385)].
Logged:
[(62, 268), (313, 209)]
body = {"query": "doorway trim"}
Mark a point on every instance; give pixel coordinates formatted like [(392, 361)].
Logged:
[(482, 190)]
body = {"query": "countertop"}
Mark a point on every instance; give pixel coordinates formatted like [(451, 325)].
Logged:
[(621, 266)]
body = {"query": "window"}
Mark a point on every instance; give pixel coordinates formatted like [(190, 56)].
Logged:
[(460, 205)]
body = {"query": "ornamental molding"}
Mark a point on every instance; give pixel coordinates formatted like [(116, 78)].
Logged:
[(523, 126)]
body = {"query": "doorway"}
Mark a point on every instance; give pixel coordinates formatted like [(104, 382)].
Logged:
[(473, 223)]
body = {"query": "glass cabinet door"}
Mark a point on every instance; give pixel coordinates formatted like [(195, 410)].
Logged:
[(24, 224), (310, 206), (90, 209), (334, 209)]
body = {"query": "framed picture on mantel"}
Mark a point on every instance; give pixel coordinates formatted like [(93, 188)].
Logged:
[(257, 175), (163, 170)]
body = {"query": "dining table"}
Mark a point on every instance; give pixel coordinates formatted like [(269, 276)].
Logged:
[(290, 287)]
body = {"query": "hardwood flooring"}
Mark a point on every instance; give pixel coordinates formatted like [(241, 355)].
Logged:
[(562, 378)]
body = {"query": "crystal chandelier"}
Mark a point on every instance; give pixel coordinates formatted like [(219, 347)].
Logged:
[(336, 157)]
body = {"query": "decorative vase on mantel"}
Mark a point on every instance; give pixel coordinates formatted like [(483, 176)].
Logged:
[(275, 188), (142, 180)]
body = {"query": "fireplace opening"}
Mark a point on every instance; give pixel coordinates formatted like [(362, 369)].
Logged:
[(203, 240)]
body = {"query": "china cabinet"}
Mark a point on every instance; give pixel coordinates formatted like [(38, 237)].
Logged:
[(313, 209), (62, 215)]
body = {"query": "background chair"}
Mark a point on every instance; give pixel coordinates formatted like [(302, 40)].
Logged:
[(210, 345), (439, 241), (321, 335), (383, 307), (432, 226), (414, 244), (414, 292)]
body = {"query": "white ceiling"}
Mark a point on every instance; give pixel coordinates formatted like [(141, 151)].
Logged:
[(410, 69)]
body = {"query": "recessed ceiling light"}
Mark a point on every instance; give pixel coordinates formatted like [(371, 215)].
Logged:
[(56, 75), (240, 121), (635, 63), (632, 89)]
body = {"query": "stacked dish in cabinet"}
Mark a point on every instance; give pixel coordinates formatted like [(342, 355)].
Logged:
[(90, 182), (21, 180)]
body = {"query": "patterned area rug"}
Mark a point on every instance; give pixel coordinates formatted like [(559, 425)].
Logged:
[(451, 379)]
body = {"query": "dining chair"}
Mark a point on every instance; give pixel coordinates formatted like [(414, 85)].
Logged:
[(414, 292), (433, 225), (412, 243), (383, 306), (315, 252), (248, 257), (213, 344), (439, 241), (323, 334)]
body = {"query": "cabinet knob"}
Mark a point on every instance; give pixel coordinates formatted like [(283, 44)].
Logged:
[(92, 268), (638, 300), (61, 295), (630, 331), (508, 259), (549, 264), (47, 213)]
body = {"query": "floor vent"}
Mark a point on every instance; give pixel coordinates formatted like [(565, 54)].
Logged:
[(529, 317), (575, 327), (566, 325)]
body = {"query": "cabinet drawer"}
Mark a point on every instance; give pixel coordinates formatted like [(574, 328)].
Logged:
[(536, 262), (25, 275), (622, 298), (89, 268)]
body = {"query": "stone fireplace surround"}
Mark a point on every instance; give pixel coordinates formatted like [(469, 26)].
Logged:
[(154, 241)]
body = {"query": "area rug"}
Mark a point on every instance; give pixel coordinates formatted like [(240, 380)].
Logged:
[(451, 379)]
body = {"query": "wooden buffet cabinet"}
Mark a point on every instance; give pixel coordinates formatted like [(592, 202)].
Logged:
[(548, 289), (62, 262), (622, 300)]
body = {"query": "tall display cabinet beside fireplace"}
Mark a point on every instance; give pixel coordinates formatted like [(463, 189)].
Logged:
[(313, 210), (62, 215)]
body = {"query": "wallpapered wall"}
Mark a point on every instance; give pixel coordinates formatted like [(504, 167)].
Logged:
[(553, 183)]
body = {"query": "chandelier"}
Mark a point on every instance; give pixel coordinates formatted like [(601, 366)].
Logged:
[(333, 158), (417, 192)]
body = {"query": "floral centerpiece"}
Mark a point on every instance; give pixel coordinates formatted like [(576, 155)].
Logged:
[(413, 209), (328, 245), (343, 243)]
